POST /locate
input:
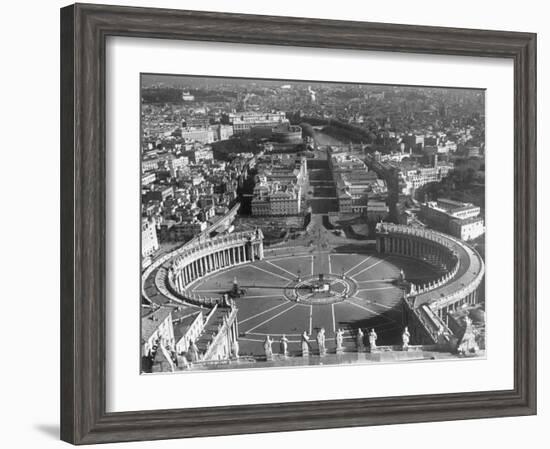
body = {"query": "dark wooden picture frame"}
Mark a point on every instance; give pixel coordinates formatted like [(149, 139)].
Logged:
[(84, 29)]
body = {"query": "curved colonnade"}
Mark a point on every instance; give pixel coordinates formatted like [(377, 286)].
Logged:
[(461, 266), (427, 246), (174, 272)]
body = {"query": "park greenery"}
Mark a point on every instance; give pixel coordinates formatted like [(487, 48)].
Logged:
[(466, 182)]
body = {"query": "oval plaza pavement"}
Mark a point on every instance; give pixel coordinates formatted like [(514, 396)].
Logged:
[(265, 310)]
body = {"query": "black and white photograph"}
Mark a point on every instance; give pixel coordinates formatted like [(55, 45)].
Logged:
[(291, 223)]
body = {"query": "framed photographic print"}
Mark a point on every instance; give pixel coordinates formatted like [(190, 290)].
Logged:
[(274, 223)]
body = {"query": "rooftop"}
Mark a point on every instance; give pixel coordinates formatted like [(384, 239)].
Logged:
[(151, 321), (181, 327)]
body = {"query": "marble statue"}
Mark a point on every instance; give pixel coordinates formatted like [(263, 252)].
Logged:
[(267, 348), (401, 275), (283, 345), (406, 336), (181, 361), (360, 340), (321, 341), (339, 337), (305, 344), (194, 352), (372, 339), (468, 344)]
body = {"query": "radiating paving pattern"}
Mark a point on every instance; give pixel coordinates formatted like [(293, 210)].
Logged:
[(267, 309)]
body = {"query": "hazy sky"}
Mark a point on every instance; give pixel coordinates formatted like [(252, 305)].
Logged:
[(205, 81)]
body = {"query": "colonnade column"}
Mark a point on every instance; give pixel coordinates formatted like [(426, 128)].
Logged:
[(183, 280)]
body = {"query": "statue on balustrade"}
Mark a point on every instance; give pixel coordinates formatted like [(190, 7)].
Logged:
[(321, 342), (181, 362), (372, 339), (468, 344), (406, 336), (235, 348), (194, 352), (305, 344), (268, 349), (360, 340), (339, 337), (283, 345)]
